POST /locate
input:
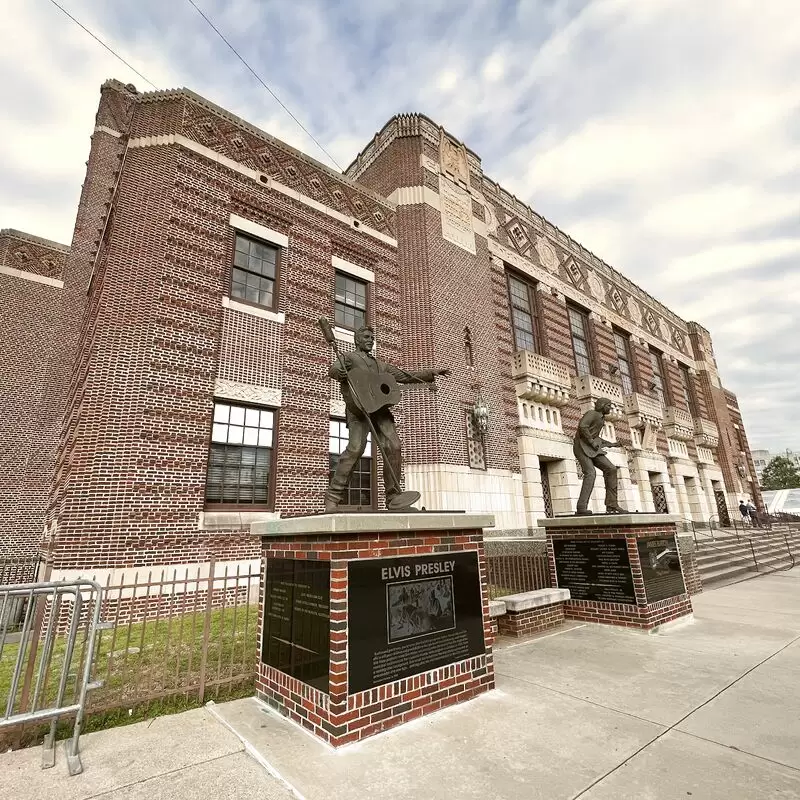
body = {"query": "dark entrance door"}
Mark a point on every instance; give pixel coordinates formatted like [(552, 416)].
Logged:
[(659, 498), (722, 508), (547, 496)]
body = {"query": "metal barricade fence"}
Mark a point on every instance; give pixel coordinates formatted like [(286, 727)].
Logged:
[(52, 650)]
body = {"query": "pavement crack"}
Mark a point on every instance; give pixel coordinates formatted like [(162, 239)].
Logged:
[(739, 750), (109, 792), (581, 699), (684, 718)]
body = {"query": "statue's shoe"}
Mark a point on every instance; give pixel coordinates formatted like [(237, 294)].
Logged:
[(617, 510), (584, 512)]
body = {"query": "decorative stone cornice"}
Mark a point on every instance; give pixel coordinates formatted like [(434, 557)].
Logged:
[(12, 233), (642, 410), (678, 424), (590, 388)]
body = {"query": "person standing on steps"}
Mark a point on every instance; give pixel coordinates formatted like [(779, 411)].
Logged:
[(589, 449), (382, 420)]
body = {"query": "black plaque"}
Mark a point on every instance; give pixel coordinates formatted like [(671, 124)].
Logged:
[(661, 568), (297, 627), (595, 569), (409, 615)]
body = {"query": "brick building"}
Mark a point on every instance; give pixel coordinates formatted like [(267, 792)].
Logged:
[(182, 344)]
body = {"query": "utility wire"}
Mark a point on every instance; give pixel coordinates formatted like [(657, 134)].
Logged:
[(258, 78), (98, 39)]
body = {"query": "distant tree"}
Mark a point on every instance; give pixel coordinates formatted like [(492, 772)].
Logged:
[(780, 473)]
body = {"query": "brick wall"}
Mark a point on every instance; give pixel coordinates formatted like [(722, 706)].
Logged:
[(157, 336), (30, 402)]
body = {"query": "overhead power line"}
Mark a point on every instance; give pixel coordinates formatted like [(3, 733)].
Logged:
[(100, 41), (259, 79)]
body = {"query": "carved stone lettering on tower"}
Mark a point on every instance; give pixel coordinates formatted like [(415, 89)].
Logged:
[(456, 210)]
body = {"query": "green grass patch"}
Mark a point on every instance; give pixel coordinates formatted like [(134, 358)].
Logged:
[(151, 668)]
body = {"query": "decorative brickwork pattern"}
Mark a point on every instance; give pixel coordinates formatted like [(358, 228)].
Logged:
[(340, 717), (31, 402)]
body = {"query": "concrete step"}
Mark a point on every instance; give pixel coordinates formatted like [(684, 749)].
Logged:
[(728, 569)]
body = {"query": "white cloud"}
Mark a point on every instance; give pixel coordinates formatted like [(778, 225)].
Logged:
[(664, 135)]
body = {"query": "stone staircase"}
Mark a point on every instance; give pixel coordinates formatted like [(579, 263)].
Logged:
[(728, 558)]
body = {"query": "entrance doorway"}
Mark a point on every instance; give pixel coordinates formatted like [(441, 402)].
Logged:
[(722, 508)]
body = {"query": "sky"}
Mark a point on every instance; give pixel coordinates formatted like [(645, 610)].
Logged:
[(663, 135)]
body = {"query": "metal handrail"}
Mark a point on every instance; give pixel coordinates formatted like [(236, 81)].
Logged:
[(36, 596)]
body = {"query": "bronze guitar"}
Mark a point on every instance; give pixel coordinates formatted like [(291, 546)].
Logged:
[(373, 390)]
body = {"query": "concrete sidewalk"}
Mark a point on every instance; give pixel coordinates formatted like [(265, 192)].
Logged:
[(709, 711)]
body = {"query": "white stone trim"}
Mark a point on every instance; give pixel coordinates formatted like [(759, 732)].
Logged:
[(29, 276), (109, 131), (232, 520), (256, 176), (353, 269), (253, 311), (344, 335), (261, 231), (247, 392), (415, 195), (338, 408)]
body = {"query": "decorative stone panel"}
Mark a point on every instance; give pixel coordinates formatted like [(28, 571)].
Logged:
[(540, 379), (589, 388), (642, 410), (678, 424), (706, 433)]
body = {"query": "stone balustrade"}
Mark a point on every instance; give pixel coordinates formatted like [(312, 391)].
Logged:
[(589, 388), (705, 455), (677, 448), (642, 410), (706, 433), (540, 379), (678, 424)]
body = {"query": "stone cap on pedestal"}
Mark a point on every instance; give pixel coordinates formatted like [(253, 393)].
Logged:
[(371, 523), (608, 521)]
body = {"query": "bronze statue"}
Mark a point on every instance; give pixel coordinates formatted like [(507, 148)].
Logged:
[(369, 389), (589, 449)]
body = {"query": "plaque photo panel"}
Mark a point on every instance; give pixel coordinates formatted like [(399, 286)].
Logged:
[(661, 568), (296, 630), (409, 615)]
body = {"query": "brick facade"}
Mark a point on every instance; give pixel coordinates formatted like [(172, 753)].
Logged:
[(144, 337), (31, 403)]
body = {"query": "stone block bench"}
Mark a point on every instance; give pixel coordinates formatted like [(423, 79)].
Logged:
[(530, 612)]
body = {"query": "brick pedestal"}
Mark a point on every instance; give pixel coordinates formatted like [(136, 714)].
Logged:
[(619, 569), (406, 629)]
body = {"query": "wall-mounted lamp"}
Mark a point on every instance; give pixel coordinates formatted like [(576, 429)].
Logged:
[(480, 414)]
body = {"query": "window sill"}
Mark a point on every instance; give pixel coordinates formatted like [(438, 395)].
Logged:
[(344, 335), (253, 310), (230, 519)]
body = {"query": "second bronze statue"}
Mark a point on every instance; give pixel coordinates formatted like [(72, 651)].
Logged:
[(369, 390)]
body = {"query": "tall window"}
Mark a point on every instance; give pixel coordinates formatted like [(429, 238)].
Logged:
[(359, 493), (255, 271), (350, 303), (522, 298), (658, 377), (686, 383), (579, 328), (240, 463), (622, 345)]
